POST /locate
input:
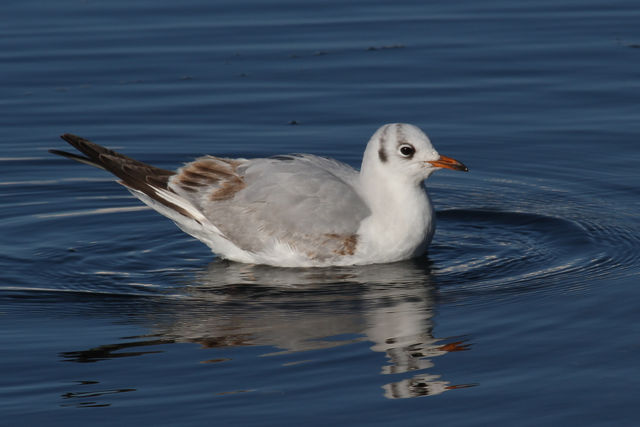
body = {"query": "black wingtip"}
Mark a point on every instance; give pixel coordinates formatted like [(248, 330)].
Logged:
[(71, 138), (76, 157), (66, 154), (88, 148)]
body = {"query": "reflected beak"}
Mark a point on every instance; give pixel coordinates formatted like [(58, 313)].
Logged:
[(449, 163)]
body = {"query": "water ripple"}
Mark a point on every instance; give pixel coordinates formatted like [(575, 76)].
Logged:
[(542, 244)]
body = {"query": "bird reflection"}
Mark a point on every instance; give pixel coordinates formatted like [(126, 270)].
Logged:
[(230, 305)]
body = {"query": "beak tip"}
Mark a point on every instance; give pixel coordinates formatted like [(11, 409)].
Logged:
[(449, 163)]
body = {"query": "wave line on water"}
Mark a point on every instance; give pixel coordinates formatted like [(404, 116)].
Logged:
[(99, 211)]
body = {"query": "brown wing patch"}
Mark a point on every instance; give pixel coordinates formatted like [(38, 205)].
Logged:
[(219, 174), (346, 243)]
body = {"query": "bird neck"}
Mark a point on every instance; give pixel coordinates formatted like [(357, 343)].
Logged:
[(401, 217)]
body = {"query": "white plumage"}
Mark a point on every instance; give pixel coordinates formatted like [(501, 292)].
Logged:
[(295, 210)]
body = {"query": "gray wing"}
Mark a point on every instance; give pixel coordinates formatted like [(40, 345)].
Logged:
[(308, 202)]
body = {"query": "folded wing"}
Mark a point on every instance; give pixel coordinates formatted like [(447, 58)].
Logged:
[(306, 202)]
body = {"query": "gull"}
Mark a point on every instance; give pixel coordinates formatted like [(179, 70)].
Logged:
[(294, 210)]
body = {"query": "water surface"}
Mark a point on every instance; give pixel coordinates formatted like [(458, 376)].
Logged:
[(525, 311)]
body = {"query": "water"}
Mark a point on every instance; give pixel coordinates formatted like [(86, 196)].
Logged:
[(525, 312)]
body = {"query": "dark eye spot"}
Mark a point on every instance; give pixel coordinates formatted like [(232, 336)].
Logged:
[(407, 150), (382, 155)]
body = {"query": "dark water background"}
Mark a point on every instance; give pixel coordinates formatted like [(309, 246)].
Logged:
[(525, 312)]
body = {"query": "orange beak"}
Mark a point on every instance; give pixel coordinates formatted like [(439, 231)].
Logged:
[(449, 163)]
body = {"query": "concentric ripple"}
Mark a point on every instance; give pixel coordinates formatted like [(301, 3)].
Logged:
[(548, 240)]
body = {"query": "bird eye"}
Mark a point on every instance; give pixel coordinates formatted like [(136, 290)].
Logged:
[(407, 150)]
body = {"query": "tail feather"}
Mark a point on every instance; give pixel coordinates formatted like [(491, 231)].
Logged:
[(77, 158), (150, 180)]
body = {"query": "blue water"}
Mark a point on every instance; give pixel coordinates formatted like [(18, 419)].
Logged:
[(525, 311)]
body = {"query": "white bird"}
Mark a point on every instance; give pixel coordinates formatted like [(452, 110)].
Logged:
[(295, 210)]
